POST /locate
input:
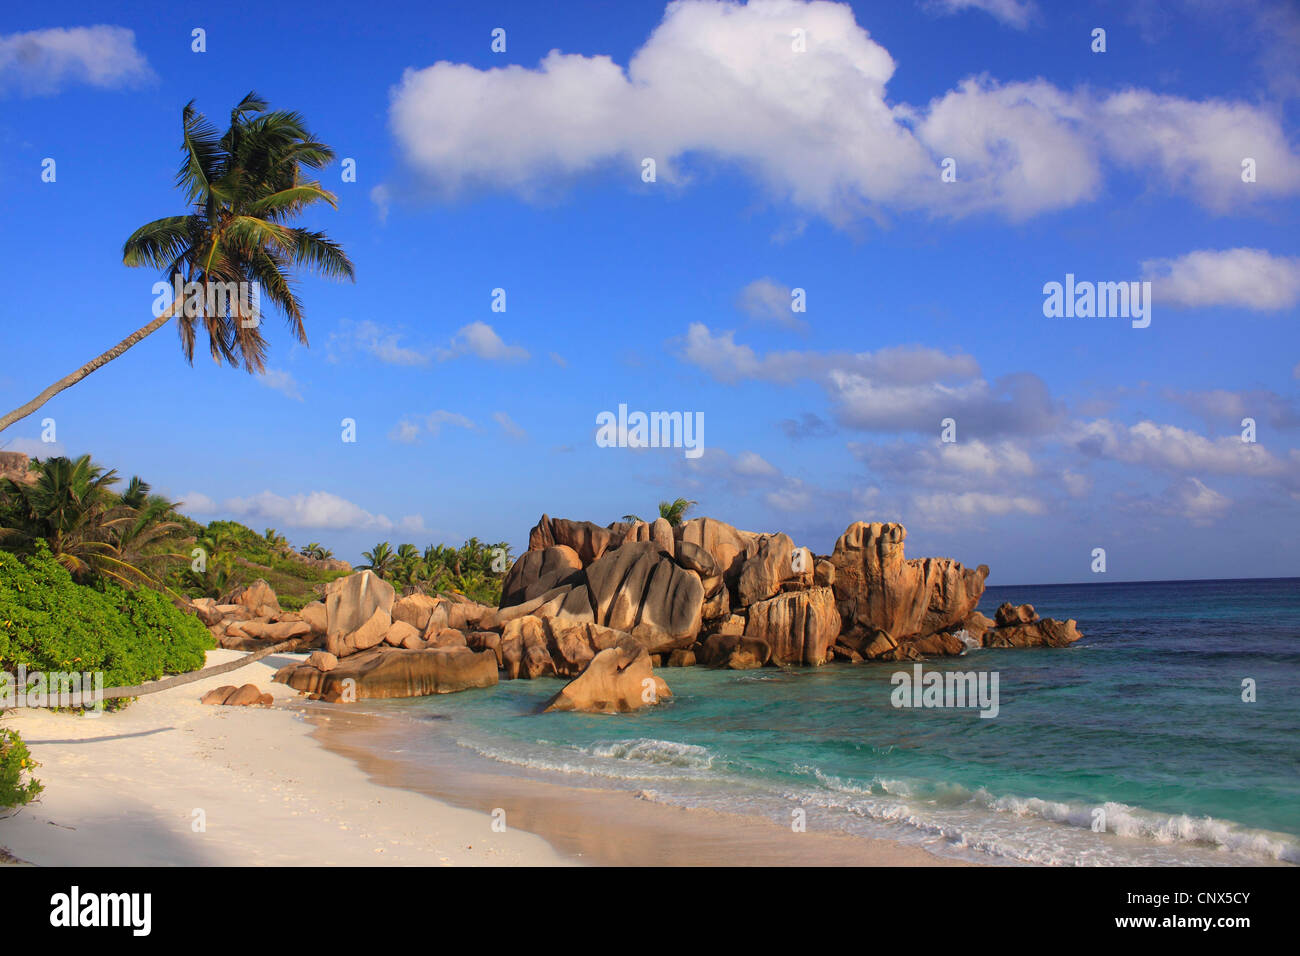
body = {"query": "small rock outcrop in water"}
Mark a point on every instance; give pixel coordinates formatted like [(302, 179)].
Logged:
[(615, 681), (603, 606)]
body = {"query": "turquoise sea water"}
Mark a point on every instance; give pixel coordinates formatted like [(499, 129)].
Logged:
[(1140, 726)]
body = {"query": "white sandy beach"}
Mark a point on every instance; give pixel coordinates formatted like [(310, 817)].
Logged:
[(123, 788), (278, 789)]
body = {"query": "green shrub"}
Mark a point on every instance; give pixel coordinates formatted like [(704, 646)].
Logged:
[(17, 785), (50, 623)]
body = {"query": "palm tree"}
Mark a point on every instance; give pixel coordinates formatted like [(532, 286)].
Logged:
[(380, 558), (151, 521), (217, 577), (71, 505), (407, 563), (137, 492), (275, 540), (675, 511), (316, 551), (243, 187)]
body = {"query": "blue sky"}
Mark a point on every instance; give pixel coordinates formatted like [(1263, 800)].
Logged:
[(776, 169)]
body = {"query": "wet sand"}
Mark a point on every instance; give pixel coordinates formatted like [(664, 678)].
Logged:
[(598, 826)]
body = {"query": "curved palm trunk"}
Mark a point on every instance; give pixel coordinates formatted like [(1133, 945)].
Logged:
[(139, 690), (69, 380)]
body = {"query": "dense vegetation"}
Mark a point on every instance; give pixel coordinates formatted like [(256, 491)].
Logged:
[(474, 569), (49, 622), (229, 555), (133, 537)]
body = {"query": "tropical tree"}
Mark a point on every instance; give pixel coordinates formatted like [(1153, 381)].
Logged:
[(90, 530), (408, 564), (217, 576), (275, 540), (675, 511), (151, 521), (380, 559), (243, 188), (317, 551)]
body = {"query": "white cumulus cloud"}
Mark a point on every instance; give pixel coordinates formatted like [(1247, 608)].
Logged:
[(42, 62), (815, 126), (1247, 278)]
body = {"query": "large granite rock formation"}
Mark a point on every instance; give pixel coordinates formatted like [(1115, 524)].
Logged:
[(587, 539), (640, 589), (536, 572), (728, 546), (352, 601), (877, 588), (798, 627), (603, 606)]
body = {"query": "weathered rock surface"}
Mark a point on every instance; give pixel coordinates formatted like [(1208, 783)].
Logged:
[(416, 609), (16, 466), (943, 644), (524, 651), (694, 558), (246, 696), (448, 637), (273, 632), (399, 632), (353, 601), (876, 587), (537, 572), (727, 545), (798, 627), (390, 672), (588, 540), (322, 660), (1008, 613), (617, 680), (976, 626), (735, 651), (764, 570), (639, 589), (258, 598), (205, 609), (661, 533), (370, 633), (467, 615), (1045, 632), (316, 617), (218, 695)]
